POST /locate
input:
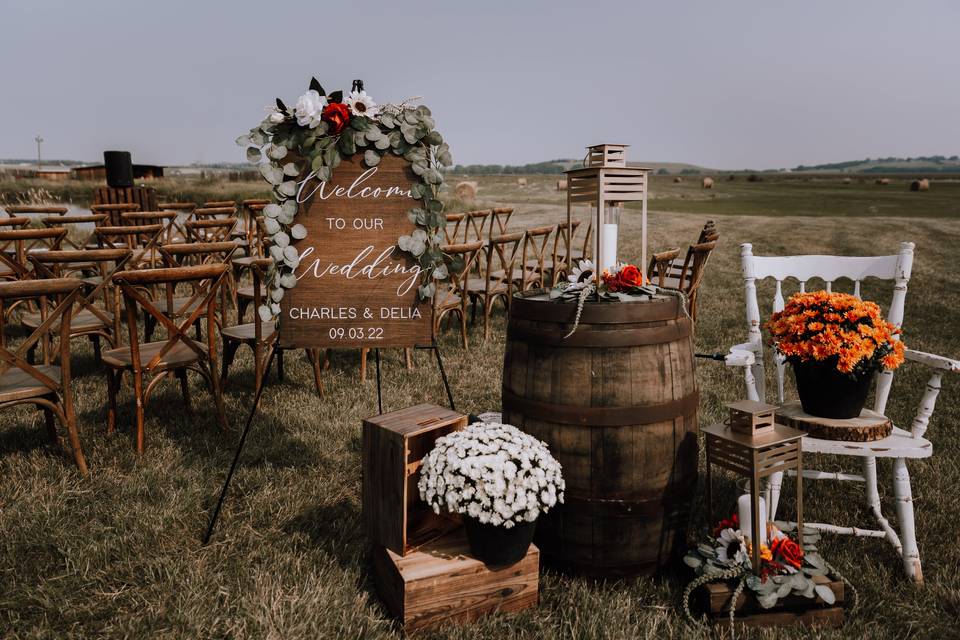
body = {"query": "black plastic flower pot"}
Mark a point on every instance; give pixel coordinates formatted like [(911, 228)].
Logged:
[(828, 393), (498, 546)]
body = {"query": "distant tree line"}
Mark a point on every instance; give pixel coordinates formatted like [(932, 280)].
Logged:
[(841, 166), (553, 166)]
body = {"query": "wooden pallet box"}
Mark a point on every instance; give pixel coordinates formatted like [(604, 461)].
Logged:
[(715, 599), (440, 582), (394, 445)]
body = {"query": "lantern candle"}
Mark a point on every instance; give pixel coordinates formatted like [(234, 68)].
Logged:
[(608, 237), (746, 517)]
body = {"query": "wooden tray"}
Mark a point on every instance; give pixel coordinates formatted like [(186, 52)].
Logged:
[(869, 426)]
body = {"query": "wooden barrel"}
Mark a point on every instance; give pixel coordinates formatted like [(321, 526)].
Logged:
[(617, 403)]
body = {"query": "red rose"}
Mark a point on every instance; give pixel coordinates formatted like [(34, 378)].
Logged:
[(337, 115), (788, 550), (630, 276), (612, 281)]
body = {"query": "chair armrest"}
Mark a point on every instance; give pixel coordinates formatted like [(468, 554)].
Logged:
[(741, 355), (932, 360)]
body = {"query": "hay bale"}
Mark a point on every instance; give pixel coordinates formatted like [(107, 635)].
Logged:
[(521, 182), (754, 178), (561, 185), (678, 180), (882, 181), (920, 185), (847, 180), (466, 191), (707, 183)]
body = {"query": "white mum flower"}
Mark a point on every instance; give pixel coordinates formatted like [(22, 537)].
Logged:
[(361, 104), (309, 108)]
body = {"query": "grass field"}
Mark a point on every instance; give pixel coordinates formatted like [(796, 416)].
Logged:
[(118, 555)]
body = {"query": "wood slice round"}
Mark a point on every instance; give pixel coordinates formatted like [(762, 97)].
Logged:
[(869, 426)]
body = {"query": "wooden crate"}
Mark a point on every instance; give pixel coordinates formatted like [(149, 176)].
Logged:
[(715, 599), (394, 445), (441, 582)]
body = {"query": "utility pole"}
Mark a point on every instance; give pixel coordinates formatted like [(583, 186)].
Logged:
[(38, 140)]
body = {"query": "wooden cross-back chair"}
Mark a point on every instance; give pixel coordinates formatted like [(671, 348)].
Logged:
[(47, 385), (496, 278), (17, 244), (183, 207), (98, 313), (563, 239), (150, 362), (246, 233), (195, 253), (244, 295), (166, 219), (36, 209), (452, 231), (533, 263), (902, 444), (476, 225), (220, 204), (80, 232), (113, 210), (499, 221), (143, 239), (210, 229), (261, 336), (451, 298), (667, 269)]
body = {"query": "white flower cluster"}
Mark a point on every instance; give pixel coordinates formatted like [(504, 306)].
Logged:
[(492, 472)]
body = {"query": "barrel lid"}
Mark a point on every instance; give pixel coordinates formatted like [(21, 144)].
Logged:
[(536, 304)]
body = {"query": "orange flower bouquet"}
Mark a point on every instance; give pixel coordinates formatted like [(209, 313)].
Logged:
[(835, 342)]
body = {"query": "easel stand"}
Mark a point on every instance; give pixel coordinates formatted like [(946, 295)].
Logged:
[(256, 403)]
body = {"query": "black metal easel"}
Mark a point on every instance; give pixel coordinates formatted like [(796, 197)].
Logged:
[(256, 403)]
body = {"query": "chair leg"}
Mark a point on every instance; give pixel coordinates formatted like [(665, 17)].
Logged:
[(487, 310), (184, 389), (113, 388), (51, 425), (218, 397), (229, 352), (363, 364), (70, 418), (774, 484), (408, 356), (908, 535), (138, 394)]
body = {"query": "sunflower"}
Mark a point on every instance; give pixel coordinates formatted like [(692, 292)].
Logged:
[(583, 272), (361, 104)]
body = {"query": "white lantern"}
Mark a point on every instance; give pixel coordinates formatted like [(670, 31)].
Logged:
[(606, 182)]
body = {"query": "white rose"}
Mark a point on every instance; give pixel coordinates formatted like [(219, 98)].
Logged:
[(276, 117), (308, 109)]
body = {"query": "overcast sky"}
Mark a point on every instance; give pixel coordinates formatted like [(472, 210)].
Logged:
[(722, 84)]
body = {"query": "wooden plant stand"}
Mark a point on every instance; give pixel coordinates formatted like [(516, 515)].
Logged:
[(715, 599), (440, 582), (868, 427)]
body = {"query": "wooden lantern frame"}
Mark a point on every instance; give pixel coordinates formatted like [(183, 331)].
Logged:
[(754, 458), (606, 178)]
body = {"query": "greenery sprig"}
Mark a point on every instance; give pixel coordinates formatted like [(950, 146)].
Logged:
[(312, 138)]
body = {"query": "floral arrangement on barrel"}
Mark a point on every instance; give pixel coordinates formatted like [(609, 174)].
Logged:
[(836, 342), (500, 480), (624, 282), (786, 567), (309, 140)]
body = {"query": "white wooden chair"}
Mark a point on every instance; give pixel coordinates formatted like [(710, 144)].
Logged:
[(902, 444)]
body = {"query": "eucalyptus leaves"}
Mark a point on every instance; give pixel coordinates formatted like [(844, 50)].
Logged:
[(309, 141)]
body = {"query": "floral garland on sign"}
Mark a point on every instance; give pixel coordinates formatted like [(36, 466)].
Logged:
[(315, 135)]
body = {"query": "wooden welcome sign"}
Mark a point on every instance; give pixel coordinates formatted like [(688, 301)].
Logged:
[(354, 287)]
